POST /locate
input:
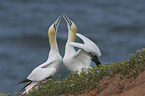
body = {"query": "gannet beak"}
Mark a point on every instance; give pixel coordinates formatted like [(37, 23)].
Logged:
[(68, 21), (56, 23)]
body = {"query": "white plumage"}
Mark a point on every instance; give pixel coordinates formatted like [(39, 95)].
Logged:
[(76, 60), (51, 66), (88, 45)]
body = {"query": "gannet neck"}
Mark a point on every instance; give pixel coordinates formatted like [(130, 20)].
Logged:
[(71, 36), (69, 50), (52, 39), (53, 43)]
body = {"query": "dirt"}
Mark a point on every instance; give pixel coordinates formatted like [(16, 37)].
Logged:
[(128, 86), (132, 87)]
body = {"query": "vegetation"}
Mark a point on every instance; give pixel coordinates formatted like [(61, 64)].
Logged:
[(86, 82)]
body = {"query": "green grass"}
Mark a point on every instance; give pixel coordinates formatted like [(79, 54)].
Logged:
[(75, 84)]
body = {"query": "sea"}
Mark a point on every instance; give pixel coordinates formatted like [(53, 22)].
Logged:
[(116, 26)]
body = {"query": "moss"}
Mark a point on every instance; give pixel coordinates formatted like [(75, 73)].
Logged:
[(75, 84)]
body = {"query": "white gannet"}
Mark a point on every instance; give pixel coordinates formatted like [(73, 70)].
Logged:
[(76, 60), (51, 66)]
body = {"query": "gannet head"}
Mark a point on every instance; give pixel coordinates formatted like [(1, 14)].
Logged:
[(53, 28), (70, 24), (52, 32), (72, 29)]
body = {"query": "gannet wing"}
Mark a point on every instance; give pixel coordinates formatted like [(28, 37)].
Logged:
[(44, 65), (88, 43), (82, 56), (40, 74), (83, 46)]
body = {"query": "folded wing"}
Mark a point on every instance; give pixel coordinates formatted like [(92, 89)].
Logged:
[(41, 74)]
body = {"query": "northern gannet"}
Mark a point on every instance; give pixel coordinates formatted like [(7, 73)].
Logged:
[(51, 66), (76, 60)]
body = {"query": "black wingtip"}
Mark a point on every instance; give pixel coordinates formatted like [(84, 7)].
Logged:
[(24, 81), (96, 60), (26, 85)]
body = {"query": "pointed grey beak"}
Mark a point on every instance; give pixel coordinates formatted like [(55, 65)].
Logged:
[(56, 23), (68, 21)]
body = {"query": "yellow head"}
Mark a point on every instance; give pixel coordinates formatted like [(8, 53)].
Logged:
[(72, 29), (53, 30)]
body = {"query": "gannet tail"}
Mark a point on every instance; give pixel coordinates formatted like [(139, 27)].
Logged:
[(29, 86)]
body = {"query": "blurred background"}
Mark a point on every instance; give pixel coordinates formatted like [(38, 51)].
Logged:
[(116, 26)]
